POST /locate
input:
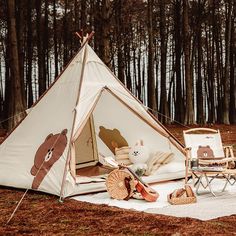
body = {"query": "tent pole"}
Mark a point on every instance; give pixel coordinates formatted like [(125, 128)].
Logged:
[(73, 123)]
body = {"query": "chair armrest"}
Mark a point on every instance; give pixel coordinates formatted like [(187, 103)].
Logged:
[(225, 160)]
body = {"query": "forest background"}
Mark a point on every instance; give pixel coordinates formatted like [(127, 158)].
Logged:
[(177, 56)]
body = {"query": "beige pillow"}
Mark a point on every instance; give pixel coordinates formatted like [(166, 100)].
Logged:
[(122, 155), (160, 158)]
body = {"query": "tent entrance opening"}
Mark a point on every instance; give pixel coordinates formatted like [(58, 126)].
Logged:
[(85, 146)]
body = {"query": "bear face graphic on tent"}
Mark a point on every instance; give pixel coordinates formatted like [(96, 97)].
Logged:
[(47, 154)]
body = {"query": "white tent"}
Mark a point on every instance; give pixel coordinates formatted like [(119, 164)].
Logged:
[(60, 134)]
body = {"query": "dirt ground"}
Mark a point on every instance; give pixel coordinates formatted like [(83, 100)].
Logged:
[(42, 214)]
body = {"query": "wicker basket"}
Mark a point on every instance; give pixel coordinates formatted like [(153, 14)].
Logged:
[(116, 186), (179, 201)]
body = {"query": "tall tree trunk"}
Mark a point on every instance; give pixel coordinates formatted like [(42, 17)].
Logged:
[(219, 63), (105, 49), (40, 52), (232, 105), (55, 38), (200, 111), (83, 23), (226, 85), (20, 6), (189, 115), (163, 99), (1, 95), (179, 106), (210, 53), (151, 79), (29, 54), (16, 104), (140, 85), (128, 67), (65, 35), (119, 40), (45, 49)]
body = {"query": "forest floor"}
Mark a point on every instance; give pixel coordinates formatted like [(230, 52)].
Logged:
[(42, 214)]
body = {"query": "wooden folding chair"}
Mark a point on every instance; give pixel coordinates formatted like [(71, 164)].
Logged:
[(207, 158)]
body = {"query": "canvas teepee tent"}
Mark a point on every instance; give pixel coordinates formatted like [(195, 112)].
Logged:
[(67, 129)]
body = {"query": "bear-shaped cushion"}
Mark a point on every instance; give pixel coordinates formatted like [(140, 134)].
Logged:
[(205, 152), (108, 136), (47, 154)]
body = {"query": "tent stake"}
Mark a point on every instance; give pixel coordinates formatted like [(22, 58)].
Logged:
[(13, 213), (61, 199)]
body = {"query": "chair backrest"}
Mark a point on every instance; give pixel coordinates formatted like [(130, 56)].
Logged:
[(204, 142)]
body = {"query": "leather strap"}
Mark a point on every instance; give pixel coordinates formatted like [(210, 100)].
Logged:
[(127, 185)]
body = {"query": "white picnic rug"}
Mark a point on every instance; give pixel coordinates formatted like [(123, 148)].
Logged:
[(207, 206)]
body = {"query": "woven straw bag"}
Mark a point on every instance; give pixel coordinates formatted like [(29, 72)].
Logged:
[(179, 201), (182, 196), (120, 184)]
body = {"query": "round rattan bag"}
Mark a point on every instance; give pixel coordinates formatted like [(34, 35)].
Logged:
[(120, 184)]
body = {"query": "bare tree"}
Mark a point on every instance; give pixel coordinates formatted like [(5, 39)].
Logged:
[(151, 79), (163, 34), (16, 104), (189, 115), (226, 83)]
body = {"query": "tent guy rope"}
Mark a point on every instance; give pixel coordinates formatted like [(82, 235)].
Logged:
[(17, 206), (159, 113)]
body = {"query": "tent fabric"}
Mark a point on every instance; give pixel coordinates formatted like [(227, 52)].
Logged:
[(85, 87)]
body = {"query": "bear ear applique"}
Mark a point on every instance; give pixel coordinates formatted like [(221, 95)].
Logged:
[(101, 128), (139, 143), (116, 131), (64, 131), (48, 137)]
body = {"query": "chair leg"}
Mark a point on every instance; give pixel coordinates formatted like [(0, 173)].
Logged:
[(233, 181), (197, 183), (226, 182), (194, 179), (209, 185)]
